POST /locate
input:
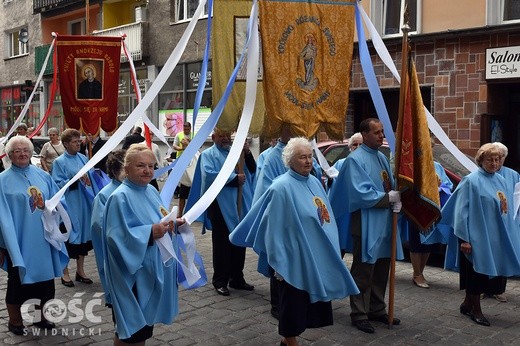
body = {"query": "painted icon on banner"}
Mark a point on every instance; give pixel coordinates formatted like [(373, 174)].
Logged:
[(89, 79)]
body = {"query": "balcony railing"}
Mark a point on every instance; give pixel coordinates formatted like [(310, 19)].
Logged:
[(135, 39), (40, 6)]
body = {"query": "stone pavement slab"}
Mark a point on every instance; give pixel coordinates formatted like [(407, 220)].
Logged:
[(429, 316)]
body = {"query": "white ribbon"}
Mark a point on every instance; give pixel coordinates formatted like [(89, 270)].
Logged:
[(51, 221), (434, 126), (29, 100), (516, 201), (331, 172), (165, 245)]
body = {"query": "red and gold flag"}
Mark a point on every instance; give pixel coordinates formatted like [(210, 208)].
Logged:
[(417, 178), (88, 69), (307, 56)]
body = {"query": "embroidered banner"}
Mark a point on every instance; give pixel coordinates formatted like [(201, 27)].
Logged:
[(307, 55), (417, 178), (230, 20), (88, 69)]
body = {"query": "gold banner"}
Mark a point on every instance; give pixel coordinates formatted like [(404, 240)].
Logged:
[(230, 19), (307, 58)]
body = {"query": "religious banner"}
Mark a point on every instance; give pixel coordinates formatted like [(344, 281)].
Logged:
[(307, 57), (230, 20), (88, 69), (417, 178)]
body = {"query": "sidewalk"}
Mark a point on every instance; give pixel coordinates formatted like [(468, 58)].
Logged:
[(428, 316)]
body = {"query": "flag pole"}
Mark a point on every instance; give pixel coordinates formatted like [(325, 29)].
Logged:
[(87, 16), (402, 99)]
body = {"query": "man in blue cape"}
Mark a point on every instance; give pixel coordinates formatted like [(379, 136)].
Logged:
[(366, 181), (222, 215)]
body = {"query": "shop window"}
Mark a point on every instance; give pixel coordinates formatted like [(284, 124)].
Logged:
[(15, 47), (183, 10)]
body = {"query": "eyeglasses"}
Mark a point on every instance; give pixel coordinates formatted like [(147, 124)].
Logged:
[(19, 151)]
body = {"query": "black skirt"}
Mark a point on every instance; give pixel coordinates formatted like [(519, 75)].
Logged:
[(297, 313), (18, 293), (76, 250), (473, 282)]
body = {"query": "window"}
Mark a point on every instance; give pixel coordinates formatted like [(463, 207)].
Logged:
[(77, 27), (393, 16), (182, 10), (16, 48), (510, 10)]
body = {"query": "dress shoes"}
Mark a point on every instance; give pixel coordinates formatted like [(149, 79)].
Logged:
[(81, 279), (465, 310), (480, 320), (420, 284), (45, 325), (67, 283), (364, 326), (500, 297), (17, 330), (384, 319), (223, 291), (245, 287)]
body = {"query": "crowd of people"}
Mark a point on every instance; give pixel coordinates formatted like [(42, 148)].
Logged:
[(279, 205)]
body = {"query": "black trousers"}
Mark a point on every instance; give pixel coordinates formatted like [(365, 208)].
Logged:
[(228, 259)]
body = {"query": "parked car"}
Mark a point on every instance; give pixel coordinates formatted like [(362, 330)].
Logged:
[(38, 143), (334, 151)]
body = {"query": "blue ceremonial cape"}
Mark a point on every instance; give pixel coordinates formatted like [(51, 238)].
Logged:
[(291, 224), (273, 167), (480, 212), (260, 164), (364, 180), (129, 214), (338, 200), (22, 232), (209, 165), (97, 231), (80, 199)]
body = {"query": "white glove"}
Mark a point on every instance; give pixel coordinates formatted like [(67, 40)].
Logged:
[(396, 207), (394, 196)]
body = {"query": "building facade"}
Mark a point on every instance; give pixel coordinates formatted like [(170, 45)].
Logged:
[(467, 54)]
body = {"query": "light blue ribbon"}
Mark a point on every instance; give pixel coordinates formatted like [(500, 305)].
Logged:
[(373, 86), (204, 67)]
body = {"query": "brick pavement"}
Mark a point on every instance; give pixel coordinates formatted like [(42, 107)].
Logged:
[(428, 316)]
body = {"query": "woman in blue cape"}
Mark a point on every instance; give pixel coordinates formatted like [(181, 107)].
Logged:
[(79, 197), (143, 290), (114, 168), (486, 237), (293, 226), (30, 260)]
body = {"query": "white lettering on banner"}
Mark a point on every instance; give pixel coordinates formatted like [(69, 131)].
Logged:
[(503, 62)]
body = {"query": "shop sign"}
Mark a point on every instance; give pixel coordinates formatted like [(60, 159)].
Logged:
[(503, 62)]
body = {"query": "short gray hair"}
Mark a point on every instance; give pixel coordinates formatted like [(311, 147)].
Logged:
[(52, 130), (9, 147), (290, 149), (502, 148)]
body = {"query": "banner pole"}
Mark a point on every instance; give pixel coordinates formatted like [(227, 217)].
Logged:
[(402, 99)]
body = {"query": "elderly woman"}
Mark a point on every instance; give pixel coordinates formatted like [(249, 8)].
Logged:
[(79, 198), (487, 243), (114, 167), (51, 150), (292, 222), (143, 290), (31, 262)]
